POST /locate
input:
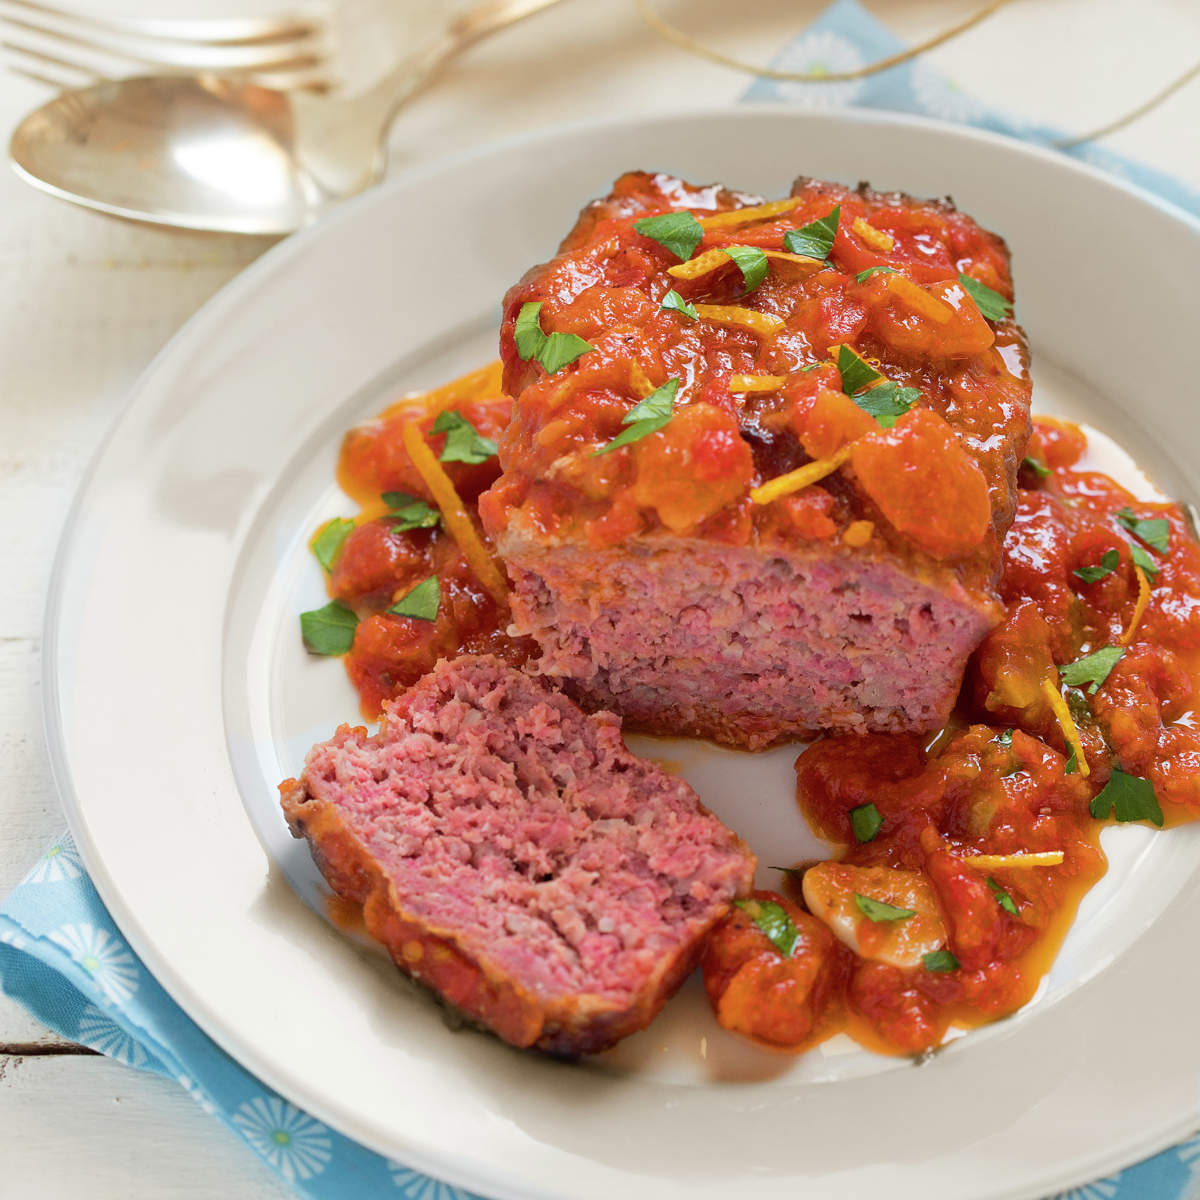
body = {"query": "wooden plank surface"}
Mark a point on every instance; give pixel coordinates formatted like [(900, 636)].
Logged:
[(87, 301)]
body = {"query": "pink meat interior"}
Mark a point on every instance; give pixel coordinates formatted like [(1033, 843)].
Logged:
[(508, 820)]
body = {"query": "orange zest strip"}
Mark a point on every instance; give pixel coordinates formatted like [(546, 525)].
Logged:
[(858, 533), (639, 380), (731, 314), (802, 477), (756, 383), (756, 212), (454, 513), (917, 298), (710, 260), (1062, 714), (995, 862), (1139, 609), (875, 238)]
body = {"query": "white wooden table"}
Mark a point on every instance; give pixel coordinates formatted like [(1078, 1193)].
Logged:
[(85, 302)]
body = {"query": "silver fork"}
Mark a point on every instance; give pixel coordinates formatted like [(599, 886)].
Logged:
[(65, 49)]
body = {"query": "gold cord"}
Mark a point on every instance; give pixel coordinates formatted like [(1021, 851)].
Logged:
[(672, 34), (1134, 114)]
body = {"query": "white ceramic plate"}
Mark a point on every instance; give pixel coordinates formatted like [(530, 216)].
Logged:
[(178, 696)]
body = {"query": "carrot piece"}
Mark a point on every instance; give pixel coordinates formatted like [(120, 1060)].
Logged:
[(802, 477), (875, 238), (756, 383), (1062, 714), (454, 512), (994, 862), (918, 299)]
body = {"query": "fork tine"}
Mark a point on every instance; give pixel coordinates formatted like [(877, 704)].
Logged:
[(198, 57), (292, 26), (58, 73)]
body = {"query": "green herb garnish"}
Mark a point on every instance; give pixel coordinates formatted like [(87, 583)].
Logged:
[(887, 402), (463, 442), (1036, 465), (410, 512), (328, 630), (645, 418), (1003, 899), (866, 821), (527, 332), (1128, 798), (554, 351), (940, 961), (989, 302), (863, 276), (752, 263), (678, 232), (816, 238), (422, 602), (674, 302), (1071, 766), (329, 540), (877, 910), (1154, 531), (1141, 558), (1005, 739), (1092, 669), (856, 373), (773, 920), (1108, 564)]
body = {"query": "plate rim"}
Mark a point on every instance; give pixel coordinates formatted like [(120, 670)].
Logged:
[(198, 329)]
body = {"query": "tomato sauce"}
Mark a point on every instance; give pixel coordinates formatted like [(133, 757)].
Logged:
[(994, 817), (379, 563)]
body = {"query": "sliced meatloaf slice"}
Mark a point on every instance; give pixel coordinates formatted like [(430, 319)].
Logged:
[(691, 576), (514, 856)]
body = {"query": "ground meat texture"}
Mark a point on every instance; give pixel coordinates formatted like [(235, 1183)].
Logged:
[(652, 581), (515, 857)]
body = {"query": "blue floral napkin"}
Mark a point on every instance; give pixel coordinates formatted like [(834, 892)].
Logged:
[(64, 959)]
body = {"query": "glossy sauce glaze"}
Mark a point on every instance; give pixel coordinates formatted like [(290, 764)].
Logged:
[(988, 837)]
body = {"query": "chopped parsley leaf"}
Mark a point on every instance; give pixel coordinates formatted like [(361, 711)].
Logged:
[(410, 512), (1092, 669), (422, 602), (877, 910), (1154, 531), (561, 350), (887, 402), (989, 302), (1108, 564), (554, 351), (328, 630), (1128, 798), (463, 443), (1036, 465), (1003, 899), (939, 961), (329, 540), (866, 821), (527, 332), (856, 373), (645, 418), (674, 302), (773, 920), (816, 238), (678, 232), (1005, 739), (863, 276), (1141, 558), (752, 263), (1072, 764)]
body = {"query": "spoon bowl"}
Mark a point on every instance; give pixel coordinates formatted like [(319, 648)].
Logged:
[(212, 153)]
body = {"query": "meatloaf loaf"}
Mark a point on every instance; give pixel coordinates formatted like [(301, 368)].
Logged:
[(861, 335), (514, 856)]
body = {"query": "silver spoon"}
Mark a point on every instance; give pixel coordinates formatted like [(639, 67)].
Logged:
[(203, 152)]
